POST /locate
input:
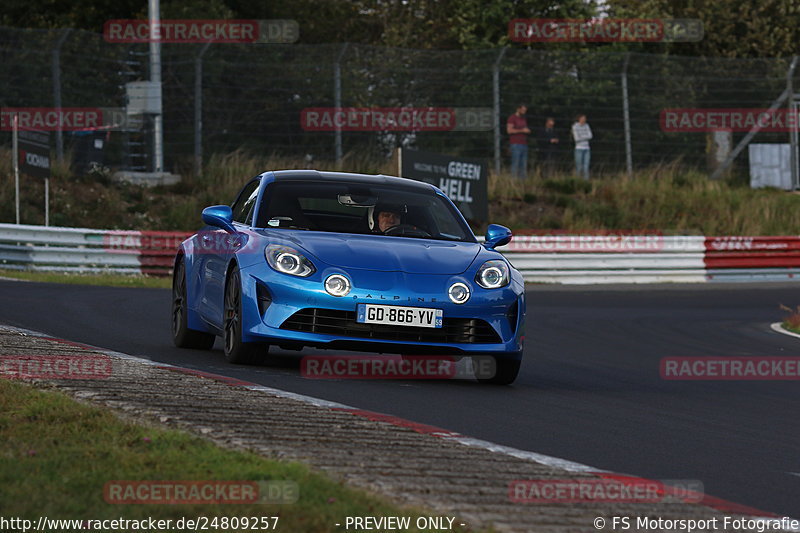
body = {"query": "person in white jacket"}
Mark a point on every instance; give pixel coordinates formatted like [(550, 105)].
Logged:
[(582, 134)]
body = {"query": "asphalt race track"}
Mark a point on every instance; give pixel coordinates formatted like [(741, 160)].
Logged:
[(589, 390)]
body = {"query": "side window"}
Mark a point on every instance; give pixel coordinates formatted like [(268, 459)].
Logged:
[(243, 206)]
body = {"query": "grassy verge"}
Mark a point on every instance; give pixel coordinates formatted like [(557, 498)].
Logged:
[(58, 454), (670, 198), (111, 280)]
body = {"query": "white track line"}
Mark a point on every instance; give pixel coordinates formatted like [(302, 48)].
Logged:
[(780, 329)]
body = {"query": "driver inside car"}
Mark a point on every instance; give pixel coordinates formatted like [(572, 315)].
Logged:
[(385, 217), (388, 219)]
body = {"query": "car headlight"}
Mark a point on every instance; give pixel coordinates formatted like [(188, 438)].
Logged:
[(493, 274), (288, 261), (458, 293), (337, 285)]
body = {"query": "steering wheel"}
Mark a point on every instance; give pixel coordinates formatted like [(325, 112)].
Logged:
[(406, 230)]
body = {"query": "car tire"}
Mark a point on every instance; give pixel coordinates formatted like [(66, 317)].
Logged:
[(236, 351), (505, 372), (182, 336)]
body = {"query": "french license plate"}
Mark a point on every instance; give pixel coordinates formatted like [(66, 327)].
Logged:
[(399, 316)]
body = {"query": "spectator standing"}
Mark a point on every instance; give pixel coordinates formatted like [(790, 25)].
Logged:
[(547, 139), (517, 129), (582, 134)]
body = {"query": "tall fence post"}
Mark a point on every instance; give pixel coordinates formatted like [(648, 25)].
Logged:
[(56, 66), (198, 110), (15, 161), (496, 111), (337, 102), (154, 16), (794, 106), (626, 117)]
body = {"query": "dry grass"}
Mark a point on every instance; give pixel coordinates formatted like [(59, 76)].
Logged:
[(666, 198)]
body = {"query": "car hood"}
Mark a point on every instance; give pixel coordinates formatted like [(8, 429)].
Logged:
[(386, 254)]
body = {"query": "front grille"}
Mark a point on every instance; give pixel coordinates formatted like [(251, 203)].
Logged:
[(335, 322)]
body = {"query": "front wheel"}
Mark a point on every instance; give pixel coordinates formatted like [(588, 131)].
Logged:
[(236, 351), (182, 336), (502, 371)]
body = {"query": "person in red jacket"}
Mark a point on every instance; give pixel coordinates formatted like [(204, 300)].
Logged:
[(517, 129)]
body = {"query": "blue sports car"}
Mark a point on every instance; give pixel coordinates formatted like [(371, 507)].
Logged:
[(348, 262)]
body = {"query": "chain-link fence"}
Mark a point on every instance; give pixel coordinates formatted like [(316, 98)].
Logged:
[(223, 97)]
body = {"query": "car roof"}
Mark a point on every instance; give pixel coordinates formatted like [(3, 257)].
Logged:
[(366, 179)]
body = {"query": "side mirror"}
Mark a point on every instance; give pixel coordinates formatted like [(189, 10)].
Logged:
[(497, 235), (219, 216)]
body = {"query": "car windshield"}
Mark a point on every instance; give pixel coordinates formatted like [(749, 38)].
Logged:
[(344, 207)]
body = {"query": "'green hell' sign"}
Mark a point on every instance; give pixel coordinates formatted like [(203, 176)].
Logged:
[(462, 179)]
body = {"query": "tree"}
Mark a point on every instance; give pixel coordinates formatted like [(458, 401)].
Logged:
[(732, 28), (424, 24)]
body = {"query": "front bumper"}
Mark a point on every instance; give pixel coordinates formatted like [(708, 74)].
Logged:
[(293, 312)]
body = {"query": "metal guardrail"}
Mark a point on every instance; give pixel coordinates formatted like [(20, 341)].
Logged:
[(87, 250), (653, 258), (570, 259), (608, 258)]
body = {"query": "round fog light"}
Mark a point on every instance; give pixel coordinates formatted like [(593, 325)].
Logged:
[(337, 285), (459, 293)]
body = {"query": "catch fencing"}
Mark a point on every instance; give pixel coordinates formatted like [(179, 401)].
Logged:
[(565, 259), (224, 97)]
